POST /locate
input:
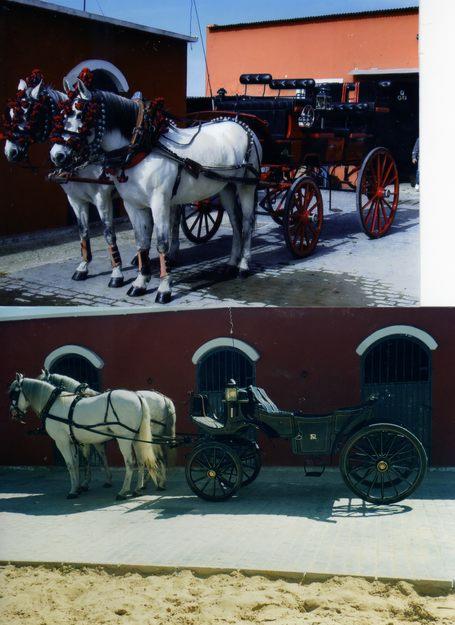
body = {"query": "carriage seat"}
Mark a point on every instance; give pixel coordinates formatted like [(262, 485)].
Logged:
[(203, 415), (261, 400)]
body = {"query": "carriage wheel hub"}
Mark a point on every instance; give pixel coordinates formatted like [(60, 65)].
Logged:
[(382, 466), (381, 192), (211, 473)]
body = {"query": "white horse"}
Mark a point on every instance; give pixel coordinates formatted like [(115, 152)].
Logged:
[(157, 403), (162, 181), (119, 414), (24, 130)]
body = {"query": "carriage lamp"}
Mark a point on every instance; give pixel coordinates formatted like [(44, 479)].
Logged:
[(231, 392)]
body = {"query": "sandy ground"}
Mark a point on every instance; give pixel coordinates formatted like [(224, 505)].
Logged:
[(64, 596)]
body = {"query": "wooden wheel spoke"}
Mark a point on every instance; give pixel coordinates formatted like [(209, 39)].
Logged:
[(385, 176), (196, 221), (211, 218), (389, 205)]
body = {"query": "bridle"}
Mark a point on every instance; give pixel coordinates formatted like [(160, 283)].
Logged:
[(32, 125), (17, 414), (93, 119)]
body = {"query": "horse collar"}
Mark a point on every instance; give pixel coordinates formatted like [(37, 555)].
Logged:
[(43, 415)]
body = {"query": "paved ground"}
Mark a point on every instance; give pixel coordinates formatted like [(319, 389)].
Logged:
[(283, 521), (348, 269)]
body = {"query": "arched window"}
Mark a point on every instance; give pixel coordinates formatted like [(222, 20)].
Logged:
[(397, 369), (220, 360), (77, 362)]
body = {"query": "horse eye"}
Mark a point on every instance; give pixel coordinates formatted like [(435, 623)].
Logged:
[(78, 115)]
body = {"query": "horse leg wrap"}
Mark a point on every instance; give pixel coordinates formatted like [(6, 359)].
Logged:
[(144, 265), (116, 260), (117, 279), (81, 272), (86, 250)]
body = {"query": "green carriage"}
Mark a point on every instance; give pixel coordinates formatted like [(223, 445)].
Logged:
[(381, 463)]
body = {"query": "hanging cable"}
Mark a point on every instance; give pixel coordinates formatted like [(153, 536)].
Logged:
[(203, 50)]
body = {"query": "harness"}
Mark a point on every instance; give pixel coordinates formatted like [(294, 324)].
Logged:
[(151, 123)]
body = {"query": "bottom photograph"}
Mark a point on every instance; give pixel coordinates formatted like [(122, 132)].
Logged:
[(228, 465)]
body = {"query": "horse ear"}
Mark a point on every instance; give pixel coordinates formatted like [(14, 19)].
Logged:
[(22, 86), (66, 86), (84, 91), (19, 377), (36, 90)]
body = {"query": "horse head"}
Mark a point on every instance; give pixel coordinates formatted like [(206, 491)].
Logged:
[(18, 402), (28, 116), (79, 126)]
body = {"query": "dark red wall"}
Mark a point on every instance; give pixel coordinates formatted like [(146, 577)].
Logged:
[(308, 360), (31, 37)]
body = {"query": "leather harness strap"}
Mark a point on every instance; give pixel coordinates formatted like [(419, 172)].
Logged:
[(71, 418)]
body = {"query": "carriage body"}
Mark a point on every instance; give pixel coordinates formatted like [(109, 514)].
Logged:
[(332, 136), (379, 462)]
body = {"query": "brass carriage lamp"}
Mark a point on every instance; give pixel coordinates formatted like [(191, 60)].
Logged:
[(231, 392)]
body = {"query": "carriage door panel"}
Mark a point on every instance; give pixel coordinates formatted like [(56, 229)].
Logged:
[(398, 371), (79, 368), (217, 367)]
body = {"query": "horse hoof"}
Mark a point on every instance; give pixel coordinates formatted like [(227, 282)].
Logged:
[(244, 273), (115, 283), (136, 291), (72, 496), (143, 488), (230, 271), (79, 275), (107, 485), (84, 488), (163, 298), (120, 497), (160, 488)]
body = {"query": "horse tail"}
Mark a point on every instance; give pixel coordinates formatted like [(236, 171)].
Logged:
[(144, 448), (170, 431)]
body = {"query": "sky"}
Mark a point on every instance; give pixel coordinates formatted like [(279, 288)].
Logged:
[(174, 15)]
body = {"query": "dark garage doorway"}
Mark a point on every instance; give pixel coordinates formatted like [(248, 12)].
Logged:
[(398, 370), (217, 367)]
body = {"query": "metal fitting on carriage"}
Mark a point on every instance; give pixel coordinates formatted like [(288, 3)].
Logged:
[(306, 117)]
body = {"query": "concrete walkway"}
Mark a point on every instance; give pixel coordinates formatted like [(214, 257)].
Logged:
[(284, 521)]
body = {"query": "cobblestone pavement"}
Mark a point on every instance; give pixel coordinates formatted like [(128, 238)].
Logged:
[(347, 269), (284, 521)]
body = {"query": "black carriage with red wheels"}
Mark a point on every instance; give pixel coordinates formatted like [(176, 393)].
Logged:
[(330, 136), (381, 463)]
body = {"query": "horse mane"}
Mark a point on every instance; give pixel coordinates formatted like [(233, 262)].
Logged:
[(55, 95), (36, 386), (121, 113)]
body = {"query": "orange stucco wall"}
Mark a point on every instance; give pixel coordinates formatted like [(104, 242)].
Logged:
[(319, 49)]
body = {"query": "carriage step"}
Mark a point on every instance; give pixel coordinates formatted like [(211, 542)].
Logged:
[(314, 473)]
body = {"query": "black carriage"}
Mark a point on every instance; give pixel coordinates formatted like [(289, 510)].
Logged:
[(333, 136), (381, 463)]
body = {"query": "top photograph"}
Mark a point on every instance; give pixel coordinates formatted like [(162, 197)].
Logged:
[(203, 158)]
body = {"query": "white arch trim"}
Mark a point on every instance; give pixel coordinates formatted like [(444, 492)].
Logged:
[(117, 76), (225, 342), (66, 350), (421, 335)]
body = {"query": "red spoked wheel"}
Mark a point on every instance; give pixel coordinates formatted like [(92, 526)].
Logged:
[(273, 202), (303, 217), (378, 188), (201, 220)]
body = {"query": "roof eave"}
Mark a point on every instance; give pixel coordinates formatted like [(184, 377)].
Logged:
[(39, 4), (316, 18)]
